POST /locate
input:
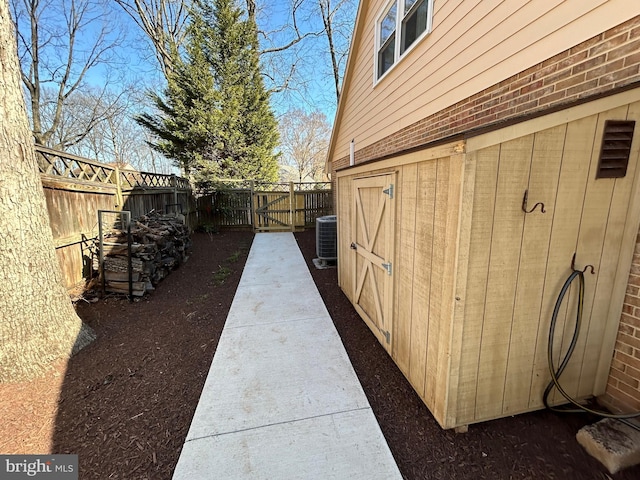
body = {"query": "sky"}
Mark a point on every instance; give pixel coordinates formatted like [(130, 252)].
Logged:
[(314, 64), (132, 63), (312, 87)]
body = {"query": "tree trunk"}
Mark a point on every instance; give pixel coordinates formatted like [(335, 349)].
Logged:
[(38, 323), (325, 9)]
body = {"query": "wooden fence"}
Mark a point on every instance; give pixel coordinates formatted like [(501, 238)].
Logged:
[(265, 206), (76, 188)]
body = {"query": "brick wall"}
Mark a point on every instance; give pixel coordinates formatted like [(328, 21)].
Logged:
[(623, 387), (603, 64), (599, 65)]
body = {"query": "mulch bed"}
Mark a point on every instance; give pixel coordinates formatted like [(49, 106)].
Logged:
[(125, 403)]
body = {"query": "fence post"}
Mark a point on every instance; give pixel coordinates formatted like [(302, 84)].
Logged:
[(252, 215), (174, 184), (119, 197), (292, 206)]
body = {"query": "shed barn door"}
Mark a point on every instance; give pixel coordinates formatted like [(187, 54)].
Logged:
[(372, 243)]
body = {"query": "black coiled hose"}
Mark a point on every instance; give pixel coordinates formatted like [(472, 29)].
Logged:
[(556, 372)]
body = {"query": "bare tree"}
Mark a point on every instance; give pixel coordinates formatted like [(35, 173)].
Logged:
[(84, 111), (296, 35), (338, 23), (122, 141), (164, 23), (297, 72), (278, 53), (151, 161), (37, 321), (304, 141), (59, 44)]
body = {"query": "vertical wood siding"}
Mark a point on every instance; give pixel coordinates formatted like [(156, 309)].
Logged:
[(526, 258), (425, 229), (476, 279)]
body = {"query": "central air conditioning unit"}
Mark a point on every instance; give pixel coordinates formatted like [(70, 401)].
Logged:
[(327, 238)]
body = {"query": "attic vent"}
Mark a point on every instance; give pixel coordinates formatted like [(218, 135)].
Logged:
[(616, 148)]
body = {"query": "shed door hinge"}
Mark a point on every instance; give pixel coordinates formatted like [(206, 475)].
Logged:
[(388, 267), (387, 335), (389, 191)]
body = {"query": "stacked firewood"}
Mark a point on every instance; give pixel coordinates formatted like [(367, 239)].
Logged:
[(159, 244)]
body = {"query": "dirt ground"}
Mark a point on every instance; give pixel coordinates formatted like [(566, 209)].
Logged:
[(124, 404)]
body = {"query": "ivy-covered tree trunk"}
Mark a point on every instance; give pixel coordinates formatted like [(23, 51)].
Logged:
[(38, 323)]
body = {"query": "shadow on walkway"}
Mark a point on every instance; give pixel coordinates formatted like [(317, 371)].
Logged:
[(128, 398)]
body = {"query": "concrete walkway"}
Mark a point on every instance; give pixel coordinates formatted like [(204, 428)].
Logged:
[(281, 400)]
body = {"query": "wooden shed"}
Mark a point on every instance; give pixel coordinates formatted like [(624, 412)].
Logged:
[(458, 283)]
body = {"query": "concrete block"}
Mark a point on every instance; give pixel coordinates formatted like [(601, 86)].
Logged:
[(613, 443)]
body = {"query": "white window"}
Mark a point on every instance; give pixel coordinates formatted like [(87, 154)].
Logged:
[(412, 18)]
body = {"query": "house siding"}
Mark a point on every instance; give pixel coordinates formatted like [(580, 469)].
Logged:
[(604, 63), (473, 45)]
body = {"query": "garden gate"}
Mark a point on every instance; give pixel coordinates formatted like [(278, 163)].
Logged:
[(264, 207)]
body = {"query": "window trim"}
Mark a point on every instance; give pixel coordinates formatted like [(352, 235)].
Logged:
[(398, 56)]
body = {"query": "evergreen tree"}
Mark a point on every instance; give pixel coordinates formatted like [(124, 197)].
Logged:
[(189, 112), (216, 120)]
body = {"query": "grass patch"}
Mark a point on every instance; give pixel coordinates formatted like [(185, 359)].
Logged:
[(221, 275), (235, 256), (207, 228), (224, 271)]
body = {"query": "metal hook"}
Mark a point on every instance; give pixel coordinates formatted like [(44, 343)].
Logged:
[(524, 204), (584, 270)]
